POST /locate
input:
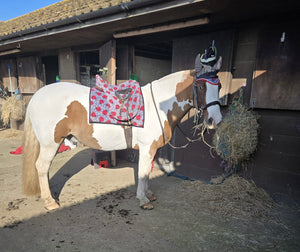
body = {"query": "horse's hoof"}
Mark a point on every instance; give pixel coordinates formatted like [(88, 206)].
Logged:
[(152, 198), (147, 206), (52, 206), (150, 195)]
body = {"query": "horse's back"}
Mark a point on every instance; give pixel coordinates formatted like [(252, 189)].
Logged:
[(57, 95), (55, 89)]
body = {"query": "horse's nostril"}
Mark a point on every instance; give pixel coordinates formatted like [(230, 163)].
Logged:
[(210, 121)]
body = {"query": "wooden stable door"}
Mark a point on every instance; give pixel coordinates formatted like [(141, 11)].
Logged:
[(29, 72), (276, 78), (107, 54)]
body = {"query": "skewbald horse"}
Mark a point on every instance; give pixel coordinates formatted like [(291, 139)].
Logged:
[(58, 110)]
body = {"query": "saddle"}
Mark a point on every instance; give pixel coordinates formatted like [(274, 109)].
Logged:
[(122, 104)]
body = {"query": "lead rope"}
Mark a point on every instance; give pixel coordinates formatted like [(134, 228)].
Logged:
[(186, 137), (203, 129), (162, 129)]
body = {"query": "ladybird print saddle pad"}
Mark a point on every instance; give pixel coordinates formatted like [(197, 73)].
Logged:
[(121, 104)]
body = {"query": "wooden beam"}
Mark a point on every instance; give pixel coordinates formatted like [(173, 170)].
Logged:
[(12, 51), (161, 28)]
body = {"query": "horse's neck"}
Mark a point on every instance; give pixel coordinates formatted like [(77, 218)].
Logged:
[(173, 95)]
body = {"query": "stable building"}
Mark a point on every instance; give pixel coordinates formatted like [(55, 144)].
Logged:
[(148, 39)]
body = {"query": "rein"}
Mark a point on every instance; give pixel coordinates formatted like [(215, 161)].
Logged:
[(198, 108), (189, 141)]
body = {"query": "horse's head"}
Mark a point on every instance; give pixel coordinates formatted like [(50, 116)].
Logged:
[(206, 89)]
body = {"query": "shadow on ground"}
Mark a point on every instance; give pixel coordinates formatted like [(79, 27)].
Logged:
[(113, 221), (76, 164), (69, 169)]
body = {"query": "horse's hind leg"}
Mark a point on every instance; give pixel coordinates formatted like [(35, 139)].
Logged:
[(143, 193), (47, 154)]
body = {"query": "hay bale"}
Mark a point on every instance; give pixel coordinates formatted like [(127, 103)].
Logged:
[(235, 140), (12, 108)]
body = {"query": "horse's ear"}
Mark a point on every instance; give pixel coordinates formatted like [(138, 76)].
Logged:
[(198, 64), (218, 64)]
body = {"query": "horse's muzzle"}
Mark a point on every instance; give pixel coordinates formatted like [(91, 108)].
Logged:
[(212, 123)]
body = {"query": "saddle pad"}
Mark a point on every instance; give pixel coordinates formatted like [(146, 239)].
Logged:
[(106, 107)]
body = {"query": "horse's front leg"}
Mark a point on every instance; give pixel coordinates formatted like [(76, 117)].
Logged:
[(42, 165), (143, 193)]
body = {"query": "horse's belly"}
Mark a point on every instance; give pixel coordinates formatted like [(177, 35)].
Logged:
[(109, 136)]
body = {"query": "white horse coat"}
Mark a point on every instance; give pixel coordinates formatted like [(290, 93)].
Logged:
[(58, 110)]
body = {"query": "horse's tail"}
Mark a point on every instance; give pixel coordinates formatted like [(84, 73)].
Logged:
[(31, 150)]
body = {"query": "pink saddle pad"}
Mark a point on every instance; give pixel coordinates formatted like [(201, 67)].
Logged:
[(122, 104)]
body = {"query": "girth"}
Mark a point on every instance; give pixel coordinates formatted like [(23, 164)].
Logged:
[(128, 136), (124, 95)]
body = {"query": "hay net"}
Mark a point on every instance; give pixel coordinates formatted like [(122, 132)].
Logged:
[(236, 138)]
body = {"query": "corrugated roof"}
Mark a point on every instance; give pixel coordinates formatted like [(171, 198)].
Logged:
[(55, 12)]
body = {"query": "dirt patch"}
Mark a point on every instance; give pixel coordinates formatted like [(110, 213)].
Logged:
[(11, 133), (99, 211)]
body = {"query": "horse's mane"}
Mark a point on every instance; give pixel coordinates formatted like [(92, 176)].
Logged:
[(192, 72)]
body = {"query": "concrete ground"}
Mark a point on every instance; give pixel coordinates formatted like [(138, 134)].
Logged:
[(99, 212)]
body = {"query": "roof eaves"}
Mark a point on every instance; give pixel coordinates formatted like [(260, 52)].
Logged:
[(54, 14)]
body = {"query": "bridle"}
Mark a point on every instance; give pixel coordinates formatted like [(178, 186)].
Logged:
[(196, 104), (199, 108)]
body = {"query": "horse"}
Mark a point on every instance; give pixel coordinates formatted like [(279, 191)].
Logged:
[(59, 110)]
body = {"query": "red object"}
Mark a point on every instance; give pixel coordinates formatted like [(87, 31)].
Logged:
[(103, 164), (152, 165), (63, 148), (18, 151)]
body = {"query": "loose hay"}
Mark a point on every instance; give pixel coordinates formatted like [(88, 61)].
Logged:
[(236, 137), (236, 196), (12, 108)]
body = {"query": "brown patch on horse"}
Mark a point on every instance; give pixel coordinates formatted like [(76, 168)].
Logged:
[(184, 89), (136, 147), (176, 114), (156, 144), (76, 123)]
